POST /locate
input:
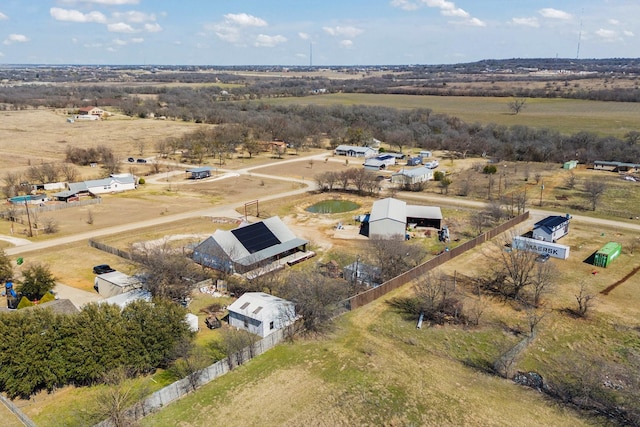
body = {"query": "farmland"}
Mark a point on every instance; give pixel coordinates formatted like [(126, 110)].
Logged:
[(374, 367)]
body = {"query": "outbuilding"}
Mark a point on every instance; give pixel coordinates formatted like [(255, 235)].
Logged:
[(606, 254), (261, 313), (551, 228), (200, 173), (412, 176), (355, 151), (115, 283), (388, 219)]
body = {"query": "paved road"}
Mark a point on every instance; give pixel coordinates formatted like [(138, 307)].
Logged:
[(226, 210)]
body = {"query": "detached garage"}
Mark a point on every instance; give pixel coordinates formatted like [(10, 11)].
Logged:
[(388, 219)]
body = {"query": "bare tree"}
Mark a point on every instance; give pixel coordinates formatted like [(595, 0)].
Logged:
[(585, 300), (236, 344), (69, 172), (570, 180), (517, 105), (514, 272), (395, 256), (594, 188), (542, 282), (119, 395)]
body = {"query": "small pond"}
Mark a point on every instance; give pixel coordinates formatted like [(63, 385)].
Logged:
[(333, 206)]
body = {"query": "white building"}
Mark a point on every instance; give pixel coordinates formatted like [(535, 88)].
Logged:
[(388, 219), (115, 283), (113, 184), (551, 228), (380, 162), (261, 313), (355, 151), (412, 176)]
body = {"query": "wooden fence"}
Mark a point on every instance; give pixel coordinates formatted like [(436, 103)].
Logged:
[(371, 295), (110, 249)]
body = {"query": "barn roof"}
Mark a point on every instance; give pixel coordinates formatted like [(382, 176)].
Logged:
[(427, 212), (388, 208)]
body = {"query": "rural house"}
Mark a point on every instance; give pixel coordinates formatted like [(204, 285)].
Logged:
[(261, 313), (412, 176), (355, 151), (90, 111), (551, 228), (259, 247), (380, 162), (113, 184)]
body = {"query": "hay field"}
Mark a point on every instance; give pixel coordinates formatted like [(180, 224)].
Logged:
[(31, 137)]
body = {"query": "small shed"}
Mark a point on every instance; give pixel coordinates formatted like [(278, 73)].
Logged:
[(115, 283), (551, 228), (200, 173), (261, 313), (571, 164), (192, 321), (425, 154), (606, 254)]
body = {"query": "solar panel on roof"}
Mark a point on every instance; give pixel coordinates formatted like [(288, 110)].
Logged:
[(255, 237)]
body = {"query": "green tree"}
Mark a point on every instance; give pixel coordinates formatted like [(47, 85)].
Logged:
[(6, 269), (37, 280)]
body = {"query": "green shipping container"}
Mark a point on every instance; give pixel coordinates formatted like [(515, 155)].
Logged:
[(606, 254)]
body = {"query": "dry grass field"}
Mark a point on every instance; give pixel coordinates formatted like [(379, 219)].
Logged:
[(375, 368)]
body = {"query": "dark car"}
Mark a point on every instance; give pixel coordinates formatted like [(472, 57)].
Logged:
[(102, 268), (141, 161), (543, 257), (131, 160)]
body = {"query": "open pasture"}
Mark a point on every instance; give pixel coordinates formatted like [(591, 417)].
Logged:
[(567, 116)]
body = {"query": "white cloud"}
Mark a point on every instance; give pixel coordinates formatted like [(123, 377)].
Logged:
[(304, 36), (1, 54), (343, 31), (549, 12), (404, 4), (476, 22), (244, 20), (608, 35), (346, 43), (120, 27), (152, 28), (3, 17), (71, 15), (137, 40), (628, 33), (613, 21), (134, 16), (269, 41), (16, 38), (119, 42), (526, 22)]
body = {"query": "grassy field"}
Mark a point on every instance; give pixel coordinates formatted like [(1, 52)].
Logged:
[(567, 116)]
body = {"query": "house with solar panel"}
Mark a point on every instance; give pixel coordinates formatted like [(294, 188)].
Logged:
[(551, 228), (261, 313), (252, 249)]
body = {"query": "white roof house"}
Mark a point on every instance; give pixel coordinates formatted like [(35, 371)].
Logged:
[(380, 162), (388, 219), (261, 313), (123, 300), (412, 176), (113, 184), (355, 151)]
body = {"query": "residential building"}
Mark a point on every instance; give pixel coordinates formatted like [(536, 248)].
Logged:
[(261, 313)]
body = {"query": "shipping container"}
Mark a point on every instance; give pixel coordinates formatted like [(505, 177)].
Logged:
[(606, 254)]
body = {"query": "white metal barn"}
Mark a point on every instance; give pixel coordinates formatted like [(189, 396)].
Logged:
[(261, 313), (388, 219), (115, 283)]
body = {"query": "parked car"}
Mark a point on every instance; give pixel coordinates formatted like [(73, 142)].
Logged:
[(543, 257), (142, 161), (102, 269), (131, 160)]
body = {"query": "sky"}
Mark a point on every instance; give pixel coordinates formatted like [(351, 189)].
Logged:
[(313, 32)]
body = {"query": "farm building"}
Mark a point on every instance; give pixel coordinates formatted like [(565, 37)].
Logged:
[(261, 246), (115, 283), (571, 164), (389, 218), (355, 151), (124, 299), (425, 154), (380, 162), (412, 176), (615, 166), (606, 254), (32, 199), (113, 184), (261, 313), (90, 111), (200, 173), (551, 228), (66, 196)]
